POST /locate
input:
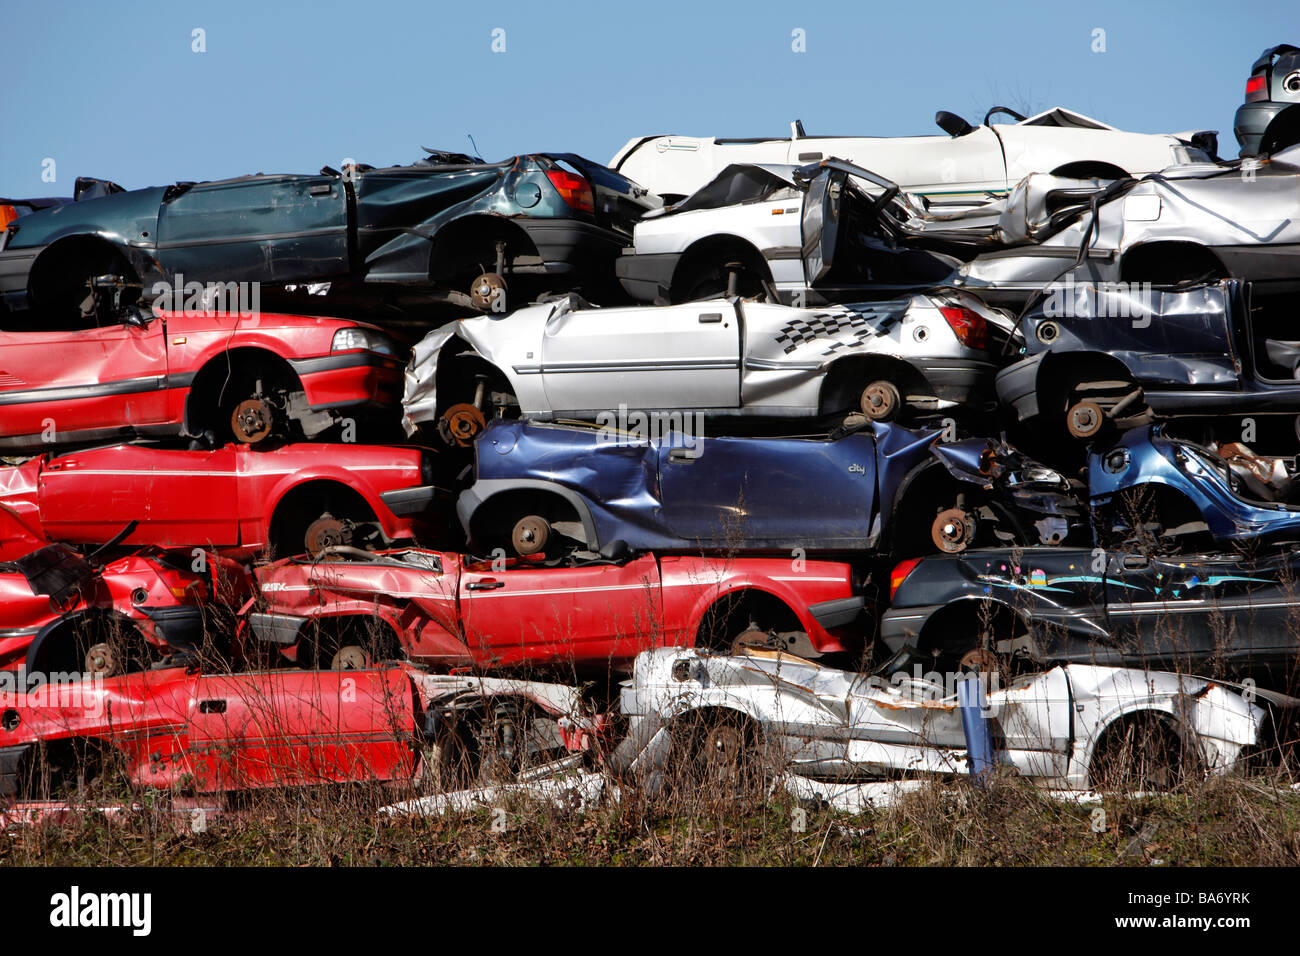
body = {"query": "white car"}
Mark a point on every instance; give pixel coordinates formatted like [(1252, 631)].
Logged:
[(803, 235), (969, 165), (719, 357), (1064, 728)]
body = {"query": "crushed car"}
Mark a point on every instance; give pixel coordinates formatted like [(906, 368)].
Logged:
[(743, 717), (879, 487), (214, 375), (1150, 487), (62, 611), (451, 225), (967, 165), (587, 615), (809, 234), (1106, 357), (724, 358), (1192, 223), (188, 734), (233, 499), (1219, 614)]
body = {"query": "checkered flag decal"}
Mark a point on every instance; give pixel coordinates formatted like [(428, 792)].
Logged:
[(860, 324)]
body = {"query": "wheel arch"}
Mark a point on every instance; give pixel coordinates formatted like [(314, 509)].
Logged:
[(841, 375), (697, 251), (227, 362), (474, 506)]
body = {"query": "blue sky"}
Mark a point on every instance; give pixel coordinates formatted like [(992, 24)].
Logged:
[(117, 91)]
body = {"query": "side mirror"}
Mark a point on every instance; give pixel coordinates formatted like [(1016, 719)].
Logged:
[(952, 124)]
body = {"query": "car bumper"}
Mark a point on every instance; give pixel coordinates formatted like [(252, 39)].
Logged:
[(409, 501), (15, 266), (1251, 121), (958, 381), (646, 277), (900, 627), (1017, 386), (351, 380), (837, 613), (570, 245), (180, 627), (282, 630)]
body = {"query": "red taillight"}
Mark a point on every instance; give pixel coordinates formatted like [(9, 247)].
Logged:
[(970, 328), (573, 189), (1256, 88), (7, 215), (900, 573)]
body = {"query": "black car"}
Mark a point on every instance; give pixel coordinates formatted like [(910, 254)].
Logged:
[(451, 225), (1269, 120), (1213, 614)]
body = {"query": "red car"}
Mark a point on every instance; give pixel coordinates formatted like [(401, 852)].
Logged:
[(450, 611), (193, 734), (232, 499), (58, 612), (215, 377)]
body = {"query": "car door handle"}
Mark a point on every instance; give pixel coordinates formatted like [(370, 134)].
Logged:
[(809, 157), (684, 455), (710, 317), (1136, 561), (212, 707), (323, 189), (485, 585)]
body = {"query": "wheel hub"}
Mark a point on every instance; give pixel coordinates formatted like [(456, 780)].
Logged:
[(101, 660), (1085, 419), (953, 530), (252, 420), (487, 290), (461, 424), (350, 657), (880, 401), (530, 535), (327, 532)]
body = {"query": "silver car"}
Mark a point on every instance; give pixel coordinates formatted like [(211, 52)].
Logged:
[(718, 357)]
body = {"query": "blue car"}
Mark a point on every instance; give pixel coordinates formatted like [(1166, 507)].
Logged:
[(542, 487), (1151, 486)]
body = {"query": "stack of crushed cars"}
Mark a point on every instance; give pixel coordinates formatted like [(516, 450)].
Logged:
[(837, 459)]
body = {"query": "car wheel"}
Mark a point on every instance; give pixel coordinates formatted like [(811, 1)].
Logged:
[(461, 424), (881, 401), (1140, 755), (530, 535)]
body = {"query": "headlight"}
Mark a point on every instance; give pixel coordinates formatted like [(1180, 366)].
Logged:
[(371, 340)]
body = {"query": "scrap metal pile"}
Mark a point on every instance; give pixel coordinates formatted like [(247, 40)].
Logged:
[(733, 461)]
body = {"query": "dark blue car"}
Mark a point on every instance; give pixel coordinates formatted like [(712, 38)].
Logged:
[(1150, 485), (541, 487)]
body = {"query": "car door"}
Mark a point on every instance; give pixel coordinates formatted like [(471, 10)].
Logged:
[(255, 228), (674, 357), (593, 617), (770, 493), (294, 728), (179, 498), (65, 382)]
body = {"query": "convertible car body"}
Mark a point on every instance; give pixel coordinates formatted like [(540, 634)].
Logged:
[(967, 165), (721, 357), (1054, 726), (882, 487), (812, 234), (437, 223), (1098, 353), (192, 734), (449, 610), (1218, 614), (217, 375), (233, 499)]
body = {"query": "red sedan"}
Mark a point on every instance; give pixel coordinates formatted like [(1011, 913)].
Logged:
[(218, 377), (58, 612), (233, 499), (449, 611)]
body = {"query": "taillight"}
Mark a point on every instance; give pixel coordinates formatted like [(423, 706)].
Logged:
[(1257, 88), (7, 215), (900, 573), (969, 327), (573, 189)]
